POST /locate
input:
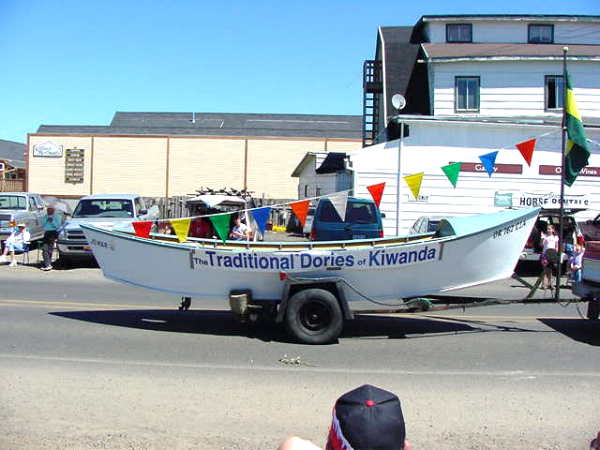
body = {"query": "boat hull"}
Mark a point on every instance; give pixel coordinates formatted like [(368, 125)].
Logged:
[(379, 271)]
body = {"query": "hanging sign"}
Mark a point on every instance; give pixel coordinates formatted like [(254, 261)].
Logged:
[(48, 149), (550, 200), (498, 168), (555, 170)]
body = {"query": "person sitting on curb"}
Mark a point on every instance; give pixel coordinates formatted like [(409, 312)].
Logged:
[(15, 243), (366, 418)]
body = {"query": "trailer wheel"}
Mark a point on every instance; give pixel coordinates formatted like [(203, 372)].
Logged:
[(593, 309), (314, 316)]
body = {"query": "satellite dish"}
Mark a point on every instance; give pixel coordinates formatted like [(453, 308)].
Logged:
[(398, 101)]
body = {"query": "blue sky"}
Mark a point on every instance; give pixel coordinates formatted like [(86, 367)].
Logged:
[(77, 62)]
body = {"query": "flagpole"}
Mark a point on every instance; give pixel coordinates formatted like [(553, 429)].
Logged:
[(562, 178), (398, 175)]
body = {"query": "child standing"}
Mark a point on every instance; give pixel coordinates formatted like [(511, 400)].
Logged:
[(576, 263)]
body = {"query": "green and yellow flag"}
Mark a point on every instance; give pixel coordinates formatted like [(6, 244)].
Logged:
[(576, 153)]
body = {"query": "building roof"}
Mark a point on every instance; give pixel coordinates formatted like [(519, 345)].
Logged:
[(399, 48), (309, 157), (512, 17), (445, 51), (12, 152), (222, 124)]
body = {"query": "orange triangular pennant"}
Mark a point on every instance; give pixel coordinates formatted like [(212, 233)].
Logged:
[(142, 229), (300, 209), (376, 191), (526, 148)]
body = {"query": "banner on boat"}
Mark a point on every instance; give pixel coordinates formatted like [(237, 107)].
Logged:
[(315, 259)]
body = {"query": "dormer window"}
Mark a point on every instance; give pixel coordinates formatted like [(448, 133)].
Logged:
[(459, 32), (541, 34)]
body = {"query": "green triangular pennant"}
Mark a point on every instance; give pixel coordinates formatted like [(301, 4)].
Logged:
[(452, 171), (221, 224)]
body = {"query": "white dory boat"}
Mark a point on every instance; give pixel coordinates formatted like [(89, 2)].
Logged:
[(465, 251)]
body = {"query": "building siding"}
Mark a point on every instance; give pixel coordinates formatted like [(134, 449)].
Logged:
[(138, 164), (433, 145), (213, 163), (517, 32), (47, 175), (273, 161), (516, 88), (130, 165)]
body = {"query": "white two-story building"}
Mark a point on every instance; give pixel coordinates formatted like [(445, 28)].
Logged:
[(476, 84)]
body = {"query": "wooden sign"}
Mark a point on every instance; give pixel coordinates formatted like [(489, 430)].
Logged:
[(498, 168), (555, 170), (74, 165)]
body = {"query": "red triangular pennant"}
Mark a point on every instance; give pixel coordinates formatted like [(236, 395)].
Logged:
[(376, 191), (301, 210), (526, 148), (142, 229)]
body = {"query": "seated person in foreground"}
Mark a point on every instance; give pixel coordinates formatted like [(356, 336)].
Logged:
[(16, 243), (240, 231), (365, 418)]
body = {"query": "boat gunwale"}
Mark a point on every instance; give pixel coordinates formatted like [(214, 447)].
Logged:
[(390, 242)]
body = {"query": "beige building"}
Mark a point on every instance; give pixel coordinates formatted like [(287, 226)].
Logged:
[(168, 154)]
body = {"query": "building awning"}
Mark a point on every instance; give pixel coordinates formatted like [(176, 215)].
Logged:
[(333, 162), (444, 51)]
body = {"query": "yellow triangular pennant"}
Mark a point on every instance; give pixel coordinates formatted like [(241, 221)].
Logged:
[(181, 227), (414, 183)]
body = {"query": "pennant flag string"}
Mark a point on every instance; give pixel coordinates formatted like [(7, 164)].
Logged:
[(221, 224), (261, 216), (142, 229), (376, 191), (300, 209), (339, 202), (526, 148), (489, 162), (181, 228), (452, 171), (414, 183)]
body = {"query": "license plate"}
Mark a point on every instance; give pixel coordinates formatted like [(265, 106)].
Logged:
[(359, 236)]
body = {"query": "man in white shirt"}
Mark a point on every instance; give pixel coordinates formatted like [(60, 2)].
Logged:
[(15, 243), (240, 231)]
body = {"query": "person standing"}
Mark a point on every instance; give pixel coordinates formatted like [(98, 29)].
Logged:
[(549, 255), (52, 222), (576, 263), (15, 243)]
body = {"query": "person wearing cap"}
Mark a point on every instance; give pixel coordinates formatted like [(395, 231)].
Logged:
[(366, 418), (16, 242), (51, 223)]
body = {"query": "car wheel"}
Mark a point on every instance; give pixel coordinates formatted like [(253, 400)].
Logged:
[(65, 261), (314, 316)]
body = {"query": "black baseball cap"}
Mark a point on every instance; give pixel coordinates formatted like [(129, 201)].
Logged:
[(367, 418)]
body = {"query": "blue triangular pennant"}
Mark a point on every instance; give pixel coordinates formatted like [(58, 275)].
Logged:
[(261, 216), (489, 161)]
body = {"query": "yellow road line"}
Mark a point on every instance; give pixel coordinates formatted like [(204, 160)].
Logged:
[(18, 302)]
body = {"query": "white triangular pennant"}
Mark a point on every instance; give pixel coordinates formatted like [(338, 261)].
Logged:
[(339, 201)]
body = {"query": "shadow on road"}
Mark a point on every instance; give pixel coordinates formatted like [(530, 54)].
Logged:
[(581, 330), (222, 323)]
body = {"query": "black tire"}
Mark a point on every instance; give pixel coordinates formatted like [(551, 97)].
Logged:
[(314, 316), (593, 309), (65, 261)]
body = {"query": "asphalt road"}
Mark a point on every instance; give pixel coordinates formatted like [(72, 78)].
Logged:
[(87, 363)]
